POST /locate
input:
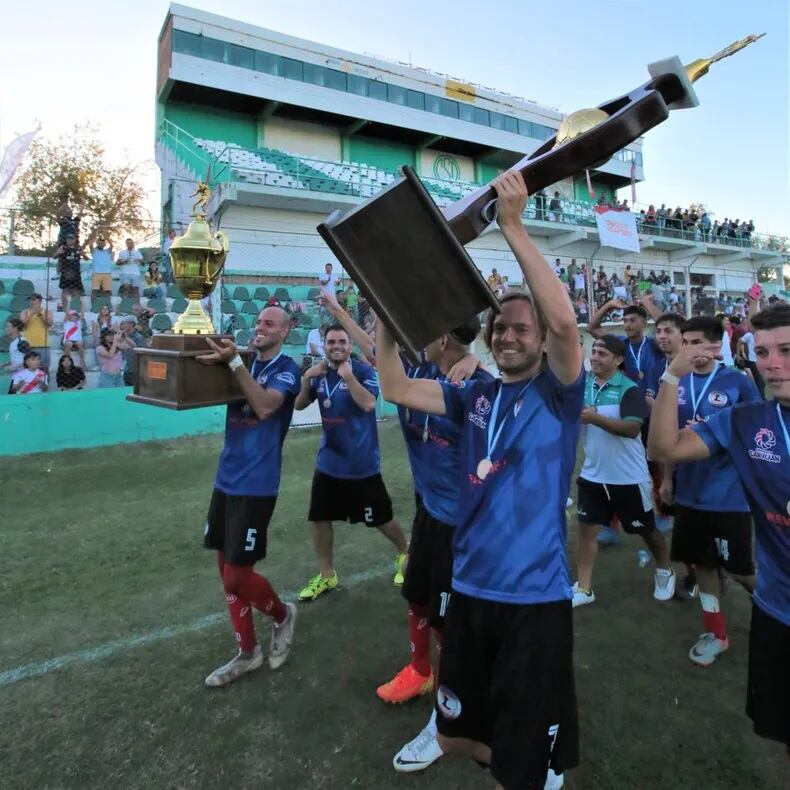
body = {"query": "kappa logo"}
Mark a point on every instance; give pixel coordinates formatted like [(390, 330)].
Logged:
[(718, 399), (483, 405), (449, 704), (765, 440), (286, 377)]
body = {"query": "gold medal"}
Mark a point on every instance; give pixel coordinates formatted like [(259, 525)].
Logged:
[(483, 468)]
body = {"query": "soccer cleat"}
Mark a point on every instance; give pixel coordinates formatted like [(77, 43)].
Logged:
[(282, 636), (418, 754), (706, 649), (406, 685), (235, 668), (582, 596), (400, 567), (318, 585), (665, 584), (554, 781), (608, 537), (688, 589)]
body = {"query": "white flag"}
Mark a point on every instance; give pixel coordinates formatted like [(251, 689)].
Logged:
[(12, 158), (617, 228)]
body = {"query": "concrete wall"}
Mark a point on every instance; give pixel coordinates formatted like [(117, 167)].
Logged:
[(302, 139)]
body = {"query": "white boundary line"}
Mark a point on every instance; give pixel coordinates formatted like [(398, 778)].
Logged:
[(91, 654)]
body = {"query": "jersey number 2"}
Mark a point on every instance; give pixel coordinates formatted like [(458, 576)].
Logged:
[(250, 544)]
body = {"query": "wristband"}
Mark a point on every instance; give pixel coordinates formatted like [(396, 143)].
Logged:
[(670, 378), (235, 362)]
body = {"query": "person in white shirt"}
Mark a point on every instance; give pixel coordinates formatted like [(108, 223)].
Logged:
[(30, 379), (328, 279), (17, 345), (72, 335), (129, 261), (315, 343), (747, 353)]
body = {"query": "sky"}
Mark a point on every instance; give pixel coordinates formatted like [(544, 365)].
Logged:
[(95, 62)]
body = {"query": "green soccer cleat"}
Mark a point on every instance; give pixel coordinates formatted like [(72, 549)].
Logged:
[(318, 585), (400, 568)]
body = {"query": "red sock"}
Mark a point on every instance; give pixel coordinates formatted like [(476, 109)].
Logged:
[(420, 638), (715, 624), (241, 580), (240, 612)]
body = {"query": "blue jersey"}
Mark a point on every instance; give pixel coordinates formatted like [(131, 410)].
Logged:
[(641, 360), (510, 543), (350, 443), (712, 484), (433, 446), (653, 378), (751, 434), (251, 458)]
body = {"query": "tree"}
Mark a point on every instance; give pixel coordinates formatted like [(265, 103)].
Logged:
[(73, 169)]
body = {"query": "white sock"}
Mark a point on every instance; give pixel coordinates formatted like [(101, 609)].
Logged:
[(432, 722)]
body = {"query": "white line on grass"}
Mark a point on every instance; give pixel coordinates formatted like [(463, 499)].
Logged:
[(87, 656)]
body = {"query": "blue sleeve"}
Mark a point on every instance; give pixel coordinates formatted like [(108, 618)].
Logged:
[(367, 377), (716, 431), (454, 400), (568, 399), (286, 381)]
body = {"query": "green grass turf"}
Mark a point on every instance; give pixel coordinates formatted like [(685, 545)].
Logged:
[(104, 545)]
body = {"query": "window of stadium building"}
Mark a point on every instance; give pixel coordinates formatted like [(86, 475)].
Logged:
[(289, 68)]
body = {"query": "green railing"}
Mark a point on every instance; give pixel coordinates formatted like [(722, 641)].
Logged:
[(275, 168)]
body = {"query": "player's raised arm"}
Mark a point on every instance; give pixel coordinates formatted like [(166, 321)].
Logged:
[(421, 394), (665, 440), (562, 335), (357, 334)]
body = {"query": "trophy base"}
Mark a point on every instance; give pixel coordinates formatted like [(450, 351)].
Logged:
[(169, 375), (194, 321)]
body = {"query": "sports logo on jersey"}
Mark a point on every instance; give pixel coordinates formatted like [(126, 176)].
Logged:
[(286, 377), (637, 524), (681, 396), (449, 704), (765, 440), (717, 398), (483, 405)]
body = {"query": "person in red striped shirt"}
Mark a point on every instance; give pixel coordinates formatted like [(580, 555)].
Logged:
[(31, 378)]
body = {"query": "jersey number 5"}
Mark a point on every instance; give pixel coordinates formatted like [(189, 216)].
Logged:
[(250, 544)]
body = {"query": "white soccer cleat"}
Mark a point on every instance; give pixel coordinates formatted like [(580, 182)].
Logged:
[(554, 781), (235, 668), (707, 648), (582, 597), (418, 754), (282, 636), (664, 588)]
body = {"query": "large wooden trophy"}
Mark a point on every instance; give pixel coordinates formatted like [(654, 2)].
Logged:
[(168, 374), (407, 256)]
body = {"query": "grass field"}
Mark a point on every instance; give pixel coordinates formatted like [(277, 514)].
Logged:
[(101, 548)]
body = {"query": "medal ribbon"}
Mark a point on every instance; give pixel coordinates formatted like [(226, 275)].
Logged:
[(638, 356), (329, 393), (696, 401), (268, 365), (492, 438)]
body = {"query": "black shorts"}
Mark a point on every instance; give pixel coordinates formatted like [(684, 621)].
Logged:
[(338, 499), (768, 690), (598, 503), (429, 572), (238, 525), (713, 539), (506, 676)]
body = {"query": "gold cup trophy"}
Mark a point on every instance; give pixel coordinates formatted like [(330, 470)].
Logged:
[(168, 374)]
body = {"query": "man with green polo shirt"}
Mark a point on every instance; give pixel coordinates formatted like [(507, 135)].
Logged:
[(614, 480)]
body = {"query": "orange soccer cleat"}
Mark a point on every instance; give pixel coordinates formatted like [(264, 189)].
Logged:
[(406, 685)]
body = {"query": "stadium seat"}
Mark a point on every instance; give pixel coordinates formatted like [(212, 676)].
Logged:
[(97, 302), (225, 293), (161, 323), (4, 316), (313, 294), (23, 287), (174, 292), (126, 306), (14, 303), (180, 304), (262, 293), (241, 321), (157, 305), (228, 306), (296, 338), (242, 337), (282, 295), (250, 307), (241, 294)]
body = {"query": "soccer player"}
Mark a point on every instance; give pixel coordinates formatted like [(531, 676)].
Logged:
[(756, 437), (433, 445), (642, 353), (245, 490), (506, 694), (614, 480), (713, 527), (347, 483)]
